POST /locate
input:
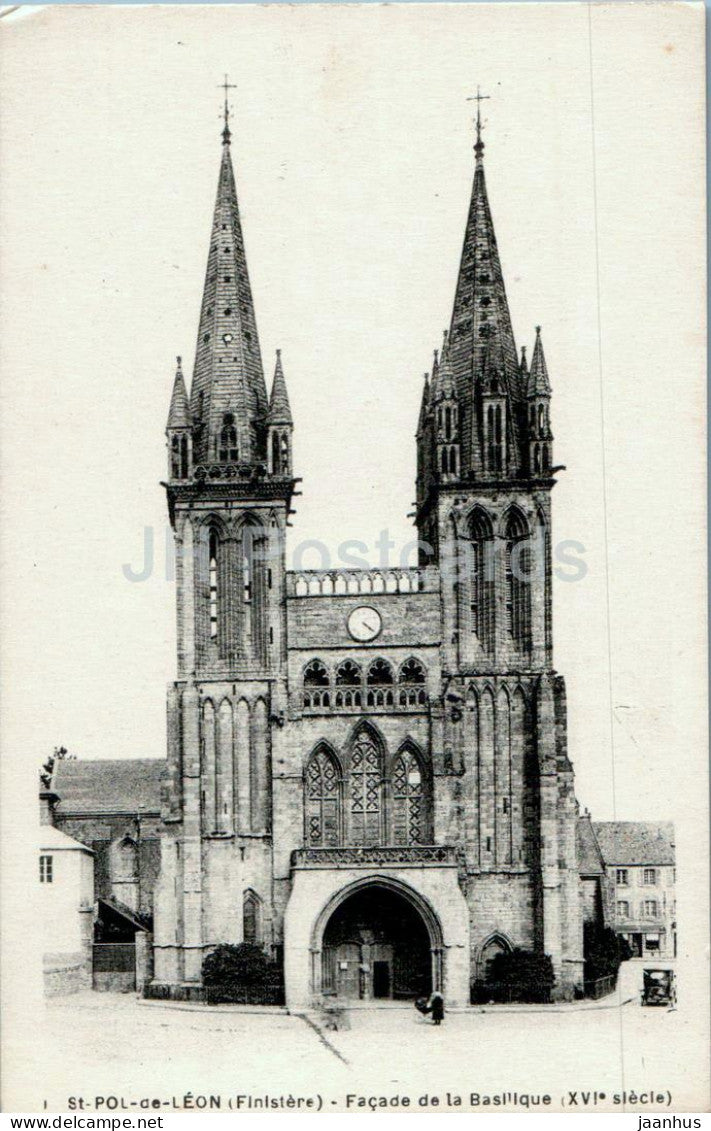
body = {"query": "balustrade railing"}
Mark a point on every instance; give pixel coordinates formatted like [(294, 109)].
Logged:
[(359, 582), (368, 856)]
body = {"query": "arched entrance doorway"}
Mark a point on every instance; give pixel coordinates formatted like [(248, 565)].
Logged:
[(378, 945)]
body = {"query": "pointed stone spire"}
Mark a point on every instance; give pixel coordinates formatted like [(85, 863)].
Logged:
[(424, 405), (433, 385), (538, 383), (523, 366), (279, 407), (179, 413), (228, 378), (480, 306)]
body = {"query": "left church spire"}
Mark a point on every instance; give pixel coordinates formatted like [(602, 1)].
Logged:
[(228, 387)]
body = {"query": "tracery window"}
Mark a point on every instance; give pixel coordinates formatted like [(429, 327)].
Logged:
[(348, 681), (365, 790), (518, 580), (412, 679), (322, 807), (380, 680), (409, 816), (316, 685)]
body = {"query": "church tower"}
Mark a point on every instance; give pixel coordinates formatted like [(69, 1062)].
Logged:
[(229, 493), (485, 476)]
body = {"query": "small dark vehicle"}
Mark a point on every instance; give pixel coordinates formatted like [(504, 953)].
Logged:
[(659, 988)]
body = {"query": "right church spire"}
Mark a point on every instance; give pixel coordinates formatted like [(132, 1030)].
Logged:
[(501, 410)]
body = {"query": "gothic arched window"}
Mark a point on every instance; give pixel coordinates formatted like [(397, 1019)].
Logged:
[(214, 545), (365, 790), (183, 457), (412, 679), (251, 919), (380, 680), (322, 800), (380, 672), (348, 674), (316, 674), (481, 592), (228, 439), (410, 816), (348, 680), (495, 437), (495, 946), (518, 579), (316, 685), (275, 454), (175, 460)]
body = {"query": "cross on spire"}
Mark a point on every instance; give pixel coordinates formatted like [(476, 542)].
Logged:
[(227, 86), (479, 98)]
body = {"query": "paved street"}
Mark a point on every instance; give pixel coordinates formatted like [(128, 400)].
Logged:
[(115, 1045)]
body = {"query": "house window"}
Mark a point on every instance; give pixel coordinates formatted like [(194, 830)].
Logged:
[(623, 909), (46, 869), (650, 876), (650, 909), (622, 877)]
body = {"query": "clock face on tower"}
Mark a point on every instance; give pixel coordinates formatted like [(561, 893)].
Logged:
[(364, 624)]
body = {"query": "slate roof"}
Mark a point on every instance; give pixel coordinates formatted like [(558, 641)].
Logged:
[(590, 861), (54, 840), (128, 785), (635, 842)]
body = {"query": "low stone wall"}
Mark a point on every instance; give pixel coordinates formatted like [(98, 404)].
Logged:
[(66, 973), (162, 991)]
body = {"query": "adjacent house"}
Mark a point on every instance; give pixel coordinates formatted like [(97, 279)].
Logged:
[(66, 877), (641, 874)]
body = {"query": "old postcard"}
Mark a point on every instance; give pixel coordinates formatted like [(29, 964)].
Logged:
[(353, 378)]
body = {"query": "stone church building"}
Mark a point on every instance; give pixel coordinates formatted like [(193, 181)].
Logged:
[(367, 771)]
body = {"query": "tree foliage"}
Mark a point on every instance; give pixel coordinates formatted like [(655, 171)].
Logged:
[(241, 973)]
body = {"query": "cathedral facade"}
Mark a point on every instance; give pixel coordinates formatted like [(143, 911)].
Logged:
[(367, 771)]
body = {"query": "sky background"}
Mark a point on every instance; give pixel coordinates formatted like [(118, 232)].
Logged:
[(352, 144)]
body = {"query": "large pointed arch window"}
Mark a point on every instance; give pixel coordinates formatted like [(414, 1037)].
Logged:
[(481, 580), (518, 579), (410, 801), (365, 790), (213, 572), (322, 807)]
